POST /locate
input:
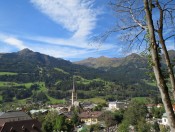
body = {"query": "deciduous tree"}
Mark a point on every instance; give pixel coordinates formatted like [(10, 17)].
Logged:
[(145, 21)]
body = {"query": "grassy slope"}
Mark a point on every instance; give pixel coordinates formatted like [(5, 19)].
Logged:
[(61, 70), (43, 88), (8, 73), (144, 100), (28, 85), (96, 100)]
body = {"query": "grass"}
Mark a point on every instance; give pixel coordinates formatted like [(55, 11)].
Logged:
[(150, 83), (56, 101), (42, 86), (8, 73), (144, 100), (96, 100), (86, 81), (51, 101), (58, 82), (21, 101), (8, 84), (61, 70), (27, 85)]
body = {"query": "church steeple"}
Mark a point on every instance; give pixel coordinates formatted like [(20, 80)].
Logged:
[(74, 93), (73, 89)]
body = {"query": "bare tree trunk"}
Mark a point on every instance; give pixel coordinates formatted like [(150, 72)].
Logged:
[(156, 68), (168, 63), (162, 42)]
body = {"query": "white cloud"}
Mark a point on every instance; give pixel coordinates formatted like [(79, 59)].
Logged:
[(12, 41), (15, 42), (63, 53), (67, 48), (74, 43), (56, 47), (77, 16)]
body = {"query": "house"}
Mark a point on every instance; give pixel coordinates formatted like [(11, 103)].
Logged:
[(165, 120), (18, 121), (90, 117), (68, 115), (43, 111), (60, 108), (150, 106), (116, 105), (88, 106), (13, 116), (21, 126)]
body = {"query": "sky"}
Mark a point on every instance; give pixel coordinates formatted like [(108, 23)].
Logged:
[(59, 28)]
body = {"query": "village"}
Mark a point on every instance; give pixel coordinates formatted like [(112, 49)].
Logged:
[(83, 116)]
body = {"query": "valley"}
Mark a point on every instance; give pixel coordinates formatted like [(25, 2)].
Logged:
[(28, 76)]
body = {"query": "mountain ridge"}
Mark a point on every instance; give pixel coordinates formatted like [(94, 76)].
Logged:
[(102, 61), (107, 62), (55, 75)]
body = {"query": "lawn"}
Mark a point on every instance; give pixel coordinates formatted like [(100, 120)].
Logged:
[(56, 101), (42, 86), (96, 100), (8, 73), (27, 85), (150, 83), (145, 100), (61, 70), (2, 84)]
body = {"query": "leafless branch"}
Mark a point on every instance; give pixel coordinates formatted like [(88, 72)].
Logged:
[(170, 37), (167, 3), (136, 37), (135, 20)]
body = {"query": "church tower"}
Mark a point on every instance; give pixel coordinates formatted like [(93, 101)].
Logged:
[(74, 93)]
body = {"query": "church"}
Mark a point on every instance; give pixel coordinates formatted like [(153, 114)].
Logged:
[(74, 94), (74, 101)]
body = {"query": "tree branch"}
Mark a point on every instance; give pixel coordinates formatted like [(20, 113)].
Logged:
[(136, 21), (169, 37)]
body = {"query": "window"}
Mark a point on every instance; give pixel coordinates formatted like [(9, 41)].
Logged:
[(164, 120)]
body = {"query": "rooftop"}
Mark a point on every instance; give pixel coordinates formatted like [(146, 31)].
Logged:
[(19, 126), (13, 114), (89, 114)]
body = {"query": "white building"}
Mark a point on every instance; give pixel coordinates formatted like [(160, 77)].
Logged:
[(165, 120), (116, 105)]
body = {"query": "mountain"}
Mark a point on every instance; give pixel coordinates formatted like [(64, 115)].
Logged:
[(133, 59), (105, 62), (100, 62), (28, 75), (129, 70), (28, 61), (25, 74), (171, 54)]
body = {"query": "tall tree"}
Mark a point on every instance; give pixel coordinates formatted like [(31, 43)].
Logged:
[(156, 65), (163, 10), (140, 22)]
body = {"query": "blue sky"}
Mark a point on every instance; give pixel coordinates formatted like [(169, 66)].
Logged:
[(59, 28)]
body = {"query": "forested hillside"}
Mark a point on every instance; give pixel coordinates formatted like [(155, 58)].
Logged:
[(38, 77)]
